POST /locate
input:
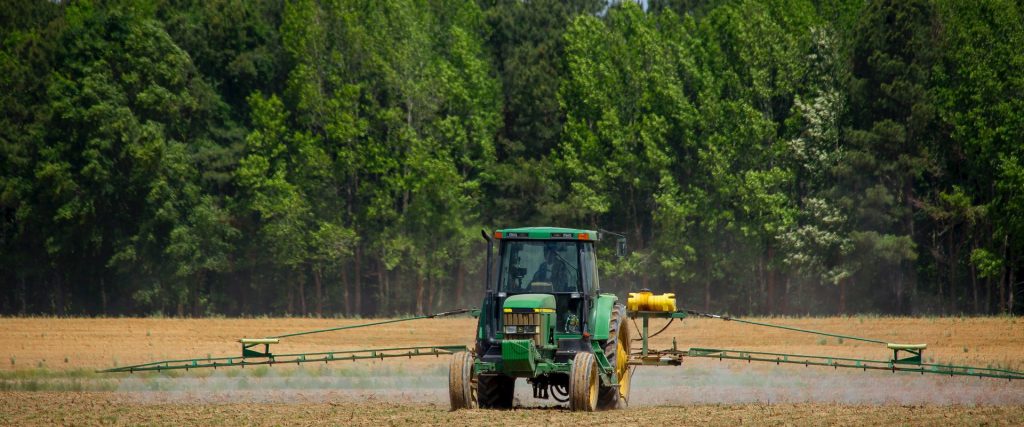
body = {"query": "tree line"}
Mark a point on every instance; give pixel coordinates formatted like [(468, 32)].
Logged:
[(340, 157)]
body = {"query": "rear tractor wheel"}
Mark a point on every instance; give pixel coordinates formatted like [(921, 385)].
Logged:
[(616, 349), (495, 391), (462, 382)]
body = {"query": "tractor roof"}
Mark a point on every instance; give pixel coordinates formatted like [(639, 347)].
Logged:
[(546, 233)]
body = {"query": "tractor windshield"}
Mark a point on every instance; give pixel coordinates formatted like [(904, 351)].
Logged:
[(539, 267)]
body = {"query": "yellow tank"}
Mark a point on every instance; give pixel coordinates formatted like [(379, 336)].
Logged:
[(647, 301)]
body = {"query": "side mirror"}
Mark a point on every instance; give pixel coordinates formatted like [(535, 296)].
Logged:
[(620, 247)]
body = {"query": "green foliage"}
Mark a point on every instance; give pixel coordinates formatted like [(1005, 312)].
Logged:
[(339, 157)]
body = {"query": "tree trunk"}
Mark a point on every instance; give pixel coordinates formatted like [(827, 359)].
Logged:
[(784, 298), (900, 308), (440, 301), (244, 295), (989, 286), (431, 291), (707, 295), (419, 294), (179, 306), (842, 296), (988, 295), (1011, 285), (952, 271), (762, 283), (640, 243), (974, 284), (291, 300), (353, 184), (909, 200), (1002, 276), (382, 291), (938, 273), (345, 300), (913, 290), (197, 286), (770, 296), (301, 286), (359, 281), (24, 297), (103, 296), (460, 283), (58, 295), (319, 292)]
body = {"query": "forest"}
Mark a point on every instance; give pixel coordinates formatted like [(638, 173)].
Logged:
[(340, 157)]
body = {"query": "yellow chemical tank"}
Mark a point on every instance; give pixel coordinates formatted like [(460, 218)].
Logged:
[(646, 301)]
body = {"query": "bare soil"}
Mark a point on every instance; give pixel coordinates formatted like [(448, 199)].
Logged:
[(45, 408), (48, 376)]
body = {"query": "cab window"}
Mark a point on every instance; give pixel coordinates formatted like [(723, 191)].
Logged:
[(539, 267)]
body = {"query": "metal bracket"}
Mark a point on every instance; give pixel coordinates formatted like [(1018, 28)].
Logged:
[(915, 351), (249, 343)]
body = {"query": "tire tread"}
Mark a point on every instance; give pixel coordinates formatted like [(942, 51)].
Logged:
[(583, 366)]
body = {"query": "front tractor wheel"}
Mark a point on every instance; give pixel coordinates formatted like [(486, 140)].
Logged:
[(461, 381), (583, 383)]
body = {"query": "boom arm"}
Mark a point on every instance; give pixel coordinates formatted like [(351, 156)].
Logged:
[(296, 358), (253, 357), (865, 364), (911, 361)]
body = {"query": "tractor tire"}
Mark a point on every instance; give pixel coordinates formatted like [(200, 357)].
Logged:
[(495, 391), (583, 383), (461, 381), (616, 349)]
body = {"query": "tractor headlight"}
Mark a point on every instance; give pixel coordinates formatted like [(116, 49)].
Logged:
[(510, 329), (530, 329)]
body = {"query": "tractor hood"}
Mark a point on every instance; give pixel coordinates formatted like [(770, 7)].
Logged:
[(529, 303)]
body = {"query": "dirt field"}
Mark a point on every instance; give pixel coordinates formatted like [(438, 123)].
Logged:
[(48, 379), (23, 408)]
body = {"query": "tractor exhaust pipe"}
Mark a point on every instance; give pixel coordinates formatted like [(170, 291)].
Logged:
[(488, 292), (490, 254)]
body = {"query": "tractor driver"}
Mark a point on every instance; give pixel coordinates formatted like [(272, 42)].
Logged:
[(552, 270)]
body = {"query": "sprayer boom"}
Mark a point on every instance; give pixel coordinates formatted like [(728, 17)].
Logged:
[(905, 357), (864, 364), (252, 356), (296, 358)]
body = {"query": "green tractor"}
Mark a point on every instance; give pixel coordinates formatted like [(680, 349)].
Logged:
[(545, 319)]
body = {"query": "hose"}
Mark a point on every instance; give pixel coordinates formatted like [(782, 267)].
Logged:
[(652, 335)]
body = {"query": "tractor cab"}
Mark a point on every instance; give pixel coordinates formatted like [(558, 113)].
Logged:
[(542, 286), (563, 267)]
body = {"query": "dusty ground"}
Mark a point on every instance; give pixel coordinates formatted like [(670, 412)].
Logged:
[(23, 408), (48, 376)]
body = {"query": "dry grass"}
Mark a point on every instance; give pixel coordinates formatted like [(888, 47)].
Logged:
[(59, 344), (414, 391)]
